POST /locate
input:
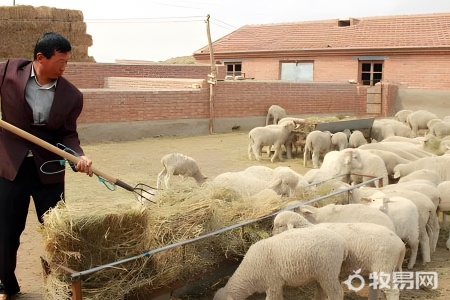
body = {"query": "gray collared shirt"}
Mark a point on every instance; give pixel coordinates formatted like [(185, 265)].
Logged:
[(40, 98)]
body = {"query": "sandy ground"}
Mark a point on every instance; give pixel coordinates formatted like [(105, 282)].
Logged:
[(139, 161)]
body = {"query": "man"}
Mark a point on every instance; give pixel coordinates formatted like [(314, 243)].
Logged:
[(35, 98)]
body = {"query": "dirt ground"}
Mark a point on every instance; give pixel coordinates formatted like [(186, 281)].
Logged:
[(139, 162)]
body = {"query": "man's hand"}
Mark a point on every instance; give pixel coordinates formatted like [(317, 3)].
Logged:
[(84, 165)]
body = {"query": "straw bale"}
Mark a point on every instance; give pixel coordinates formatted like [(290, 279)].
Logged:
[(81, 237), (21, 25)]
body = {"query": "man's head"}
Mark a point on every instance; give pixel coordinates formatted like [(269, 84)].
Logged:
[(52, 52)]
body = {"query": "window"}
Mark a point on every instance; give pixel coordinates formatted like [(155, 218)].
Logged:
[(297, 71), (234, 69), (371, 72)]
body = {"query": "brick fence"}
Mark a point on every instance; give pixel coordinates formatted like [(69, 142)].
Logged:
[(182, 93)]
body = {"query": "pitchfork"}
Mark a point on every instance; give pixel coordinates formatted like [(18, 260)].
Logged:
[(142, 191)]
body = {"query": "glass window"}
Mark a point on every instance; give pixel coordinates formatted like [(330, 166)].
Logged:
[(370, 72)]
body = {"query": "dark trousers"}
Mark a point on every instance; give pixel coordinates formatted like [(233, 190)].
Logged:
[(14, 201)]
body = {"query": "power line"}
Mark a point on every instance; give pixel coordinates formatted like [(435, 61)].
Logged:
[(148, 20)]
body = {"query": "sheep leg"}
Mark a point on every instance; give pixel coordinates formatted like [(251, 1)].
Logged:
[(274, 293), (331, 288), (414, 245), (250, 150), (315, 159), (424, 242), (433, 228), (278, 153), (159, 178)]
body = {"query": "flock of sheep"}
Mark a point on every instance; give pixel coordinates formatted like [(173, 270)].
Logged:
[(368, 230)]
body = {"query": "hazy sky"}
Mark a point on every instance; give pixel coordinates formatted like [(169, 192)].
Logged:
[(158, 30)]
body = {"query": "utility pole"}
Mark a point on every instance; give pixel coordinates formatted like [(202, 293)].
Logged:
[(212, 79)]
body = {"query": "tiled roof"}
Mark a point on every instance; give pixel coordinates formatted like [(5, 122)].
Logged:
[(407, 31)]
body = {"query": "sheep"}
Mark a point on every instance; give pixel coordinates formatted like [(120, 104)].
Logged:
[(402, 115), (287, 182), (354, 213), (404, 215), (283, 180), (276, 112), (383, 128), (372, 166), (179, 164), (372, 248), (444, 206), (440, 129), (422, 186), (337, 164), (435, 145), (428, 220), (356, 139), (296, 139), (419, 119), (319, 143), (424, 174), (339, 141), (390, 159), (404, 150), (432, 122), (275, 135), (439, 164), (295, 258)]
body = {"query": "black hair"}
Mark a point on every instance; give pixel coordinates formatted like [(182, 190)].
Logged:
[(49, 42)]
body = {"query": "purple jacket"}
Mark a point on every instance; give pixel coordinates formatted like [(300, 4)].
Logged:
[(60, 128)]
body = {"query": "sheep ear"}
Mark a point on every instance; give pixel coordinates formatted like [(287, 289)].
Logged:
[(275, 183), (290, 226), (397, 174), (305, 210)]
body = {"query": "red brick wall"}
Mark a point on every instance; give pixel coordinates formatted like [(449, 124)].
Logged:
[(232, 100), (414, 71), (92, 75)]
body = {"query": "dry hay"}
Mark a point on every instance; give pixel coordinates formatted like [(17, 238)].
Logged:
[(81, 237), (21, 25)]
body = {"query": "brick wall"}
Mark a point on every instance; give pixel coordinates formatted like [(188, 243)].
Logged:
[(92, 75), (415, 71), (233, 99)]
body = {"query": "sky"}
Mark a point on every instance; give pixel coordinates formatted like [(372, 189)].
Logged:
[(162, 29)]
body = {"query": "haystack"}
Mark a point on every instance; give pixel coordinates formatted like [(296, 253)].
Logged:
[(21, 25), (81, 237)]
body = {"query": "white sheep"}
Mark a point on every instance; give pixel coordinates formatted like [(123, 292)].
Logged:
[(336, 164), (294, 258), (435, 145), (295, 139), (418, 120), (404, 215), (440, 129), (356, 139), (428, 219), (275, 135), (339, 141), (423, 174), (402, 115), (422, 186), (318, 143), (283, 180), (372, 248), (438, 164), (179, 164), (404, 150), (383, 128), (372, 166), (349, 213), (444, 205), (276, 112), (390, 159)]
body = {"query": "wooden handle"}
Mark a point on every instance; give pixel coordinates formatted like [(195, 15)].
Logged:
[(60, 152)]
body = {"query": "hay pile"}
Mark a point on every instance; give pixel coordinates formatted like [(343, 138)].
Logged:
[(80, 237), (21, 25)]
